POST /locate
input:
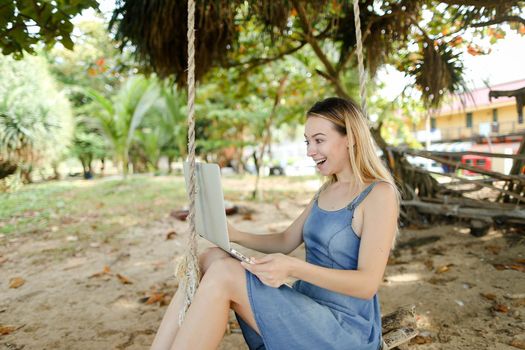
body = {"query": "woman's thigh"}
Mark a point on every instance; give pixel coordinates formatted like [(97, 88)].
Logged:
[(232, 277)]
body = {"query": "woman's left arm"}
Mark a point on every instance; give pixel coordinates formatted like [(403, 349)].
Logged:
[(380, 213)]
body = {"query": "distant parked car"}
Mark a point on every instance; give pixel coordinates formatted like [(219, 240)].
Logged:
[(475, 161)]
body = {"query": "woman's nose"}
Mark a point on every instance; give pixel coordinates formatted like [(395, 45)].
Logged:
[(310, 150)]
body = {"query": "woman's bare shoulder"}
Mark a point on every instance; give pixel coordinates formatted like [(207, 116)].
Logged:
[(382, 194)]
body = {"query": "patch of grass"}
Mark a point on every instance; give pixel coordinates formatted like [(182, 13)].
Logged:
[(72, 207), (103, 208)]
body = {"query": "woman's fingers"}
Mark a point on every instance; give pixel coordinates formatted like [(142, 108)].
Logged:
[(264, 259)]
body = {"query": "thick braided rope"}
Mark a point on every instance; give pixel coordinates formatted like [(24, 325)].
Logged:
[(361, 67), (188, 269)]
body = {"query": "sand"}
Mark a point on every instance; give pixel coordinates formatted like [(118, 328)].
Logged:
[(68, 301)]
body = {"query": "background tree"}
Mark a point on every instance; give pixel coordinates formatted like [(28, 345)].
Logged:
[(418, 37), (24, 24), (35, 119), (119, 117), (94, 63), (164, 132)]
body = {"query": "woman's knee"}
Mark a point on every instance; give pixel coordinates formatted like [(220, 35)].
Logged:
[(207, 257), (222, 273)]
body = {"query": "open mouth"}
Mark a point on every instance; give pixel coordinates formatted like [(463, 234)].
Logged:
[(320, 161)]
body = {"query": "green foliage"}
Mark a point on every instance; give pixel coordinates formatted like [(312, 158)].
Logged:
[(164, 132), (88, 146), (281, 28), (25, 23), (95, 62), (35, 119), (119, 117)]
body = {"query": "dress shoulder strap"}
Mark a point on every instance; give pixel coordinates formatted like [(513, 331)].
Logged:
[(321, 189), (357, 200)]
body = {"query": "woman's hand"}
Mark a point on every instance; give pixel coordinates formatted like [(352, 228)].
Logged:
[(272, 269)]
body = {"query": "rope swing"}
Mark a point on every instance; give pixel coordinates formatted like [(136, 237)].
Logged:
[(360, 65), (188, 269)]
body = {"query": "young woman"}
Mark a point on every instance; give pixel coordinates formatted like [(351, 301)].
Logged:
[(348, 229)]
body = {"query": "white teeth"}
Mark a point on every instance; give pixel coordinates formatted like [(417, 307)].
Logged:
[(320, 161)]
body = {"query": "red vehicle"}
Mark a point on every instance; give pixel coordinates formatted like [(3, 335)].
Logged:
[(475, 161)]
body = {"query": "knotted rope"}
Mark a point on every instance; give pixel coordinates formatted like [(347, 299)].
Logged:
[(188, 269), (360, 65)]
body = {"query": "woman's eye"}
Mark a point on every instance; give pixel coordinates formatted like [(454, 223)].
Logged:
[(307, 143), (318, 141)]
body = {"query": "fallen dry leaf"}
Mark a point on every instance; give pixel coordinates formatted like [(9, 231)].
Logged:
[(520, 344), (520, 261), (5, 330), (501, 267), (520, 268), (488, 296), (155, 298), (171, 235), (444, 268), (419, 339), (180, 214), (16, 282), (123, 279), (105, 271), (501, 308), (247, 217)]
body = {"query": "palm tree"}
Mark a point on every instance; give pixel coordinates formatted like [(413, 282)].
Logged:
[(119, 117)]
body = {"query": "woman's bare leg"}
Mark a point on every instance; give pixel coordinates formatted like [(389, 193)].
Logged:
[(222, 287), (170, 323)]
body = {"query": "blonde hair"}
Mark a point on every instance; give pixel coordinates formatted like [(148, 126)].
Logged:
[(348, 120)]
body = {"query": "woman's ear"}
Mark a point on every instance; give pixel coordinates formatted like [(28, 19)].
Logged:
[(349, 143)]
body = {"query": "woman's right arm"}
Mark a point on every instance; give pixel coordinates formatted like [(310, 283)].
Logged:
[(284, 242)]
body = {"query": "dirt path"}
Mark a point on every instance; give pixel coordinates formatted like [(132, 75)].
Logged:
[(464, 299)]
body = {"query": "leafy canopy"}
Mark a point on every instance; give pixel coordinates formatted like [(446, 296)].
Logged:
[(25, 23)]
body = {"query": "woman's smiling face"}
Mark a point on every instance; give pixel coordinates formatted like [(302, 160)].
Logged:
[(326, 146)]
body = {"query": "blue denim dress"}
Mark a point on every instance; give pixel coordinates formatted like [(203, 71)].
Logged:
[(310, 317)]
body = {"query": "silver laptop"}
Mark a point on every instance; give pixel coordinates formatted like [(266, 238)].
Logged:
[(210, 215)]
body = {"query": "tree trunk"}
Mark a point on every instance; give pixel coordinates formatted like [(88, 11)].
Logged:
[(517, 169), (267, 136), (170, 160)]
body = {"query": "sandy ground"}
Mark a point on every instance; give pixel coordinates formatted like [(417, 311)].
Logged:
[(468, 291)]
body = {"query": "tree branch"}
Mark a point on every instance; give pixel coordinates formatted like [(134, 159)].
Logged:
[(334, 80), (311, 40), (331, 75), (260, 61), (477, 3), (499, 20)]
